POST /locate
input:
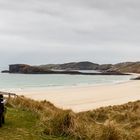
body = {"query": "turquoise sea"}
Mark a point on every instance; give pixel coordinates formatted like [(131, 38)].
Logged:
[(18, 82)]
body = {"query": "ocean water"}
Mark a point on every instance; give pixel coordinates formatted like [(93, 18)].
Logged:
[(19, 82)]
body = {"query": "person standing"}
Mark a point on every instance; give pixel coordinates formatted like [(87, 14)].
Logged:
[(2, 119)]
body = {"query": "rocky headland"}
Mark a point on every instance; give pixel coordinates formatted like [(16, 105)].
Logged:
[(74, 67), (62, 69)]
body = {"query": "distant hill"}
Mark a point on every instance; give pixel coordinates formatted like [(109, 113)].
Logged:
[(85, 65), (129, 67), (73, 67)]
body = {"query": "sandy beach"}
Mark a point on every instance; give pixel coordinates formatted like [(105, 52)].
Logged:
[(88, 97)]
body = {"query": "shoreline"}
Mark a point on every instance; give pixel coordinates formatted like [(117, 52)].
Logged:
[(86, 98), (55, 87), (60, 87)]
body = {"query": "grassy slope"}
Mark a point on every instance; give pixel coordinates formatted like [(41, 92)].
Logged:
[(21, 125), (31, 120)]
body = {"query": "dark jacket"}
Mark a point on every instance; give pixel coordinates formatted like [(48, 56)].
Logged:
[(1, 106)]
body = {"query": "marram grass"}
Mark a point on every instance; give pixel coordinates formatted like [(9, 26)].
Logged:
[(109, 123)]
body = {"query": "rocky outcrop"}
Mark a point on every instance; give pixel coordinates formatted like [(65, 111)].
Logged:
[(104, 67), (23, 68), (18, 68), (137, 78), (5, 71)]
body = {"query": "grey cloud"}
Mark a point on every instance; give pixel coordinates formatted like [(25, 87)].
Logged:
[(71, 30)]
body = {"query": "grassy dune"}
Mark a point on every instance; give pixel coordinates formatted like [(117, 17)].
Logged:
[(32, 120)]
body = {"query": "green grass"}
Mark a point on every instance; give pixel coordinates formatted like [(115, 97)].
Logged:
[(22, 125), (27, 119)]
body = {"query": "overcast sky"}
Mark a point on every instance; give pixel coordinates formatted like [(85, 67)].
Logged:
[(57, 31)]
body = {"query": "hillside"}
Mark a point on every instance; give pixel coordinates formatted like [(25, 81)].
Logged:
[(22, 122), (73, 66), (130, 67), (29, 119)]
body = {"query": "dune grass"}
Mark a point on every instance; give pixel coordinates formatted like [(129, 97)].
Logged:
[(32, 120), (21, 124)]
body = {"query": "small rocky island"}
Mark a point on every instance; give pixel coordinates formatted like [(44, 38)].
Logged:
[(137, 78), (27, 69)]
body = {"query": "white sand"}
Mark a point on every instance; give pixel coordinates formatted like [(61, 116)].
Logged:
[(88, 98)]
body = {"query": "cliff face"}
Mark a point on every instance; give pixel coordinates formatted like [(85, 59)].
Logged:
[(17, 68), (23, 68)]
